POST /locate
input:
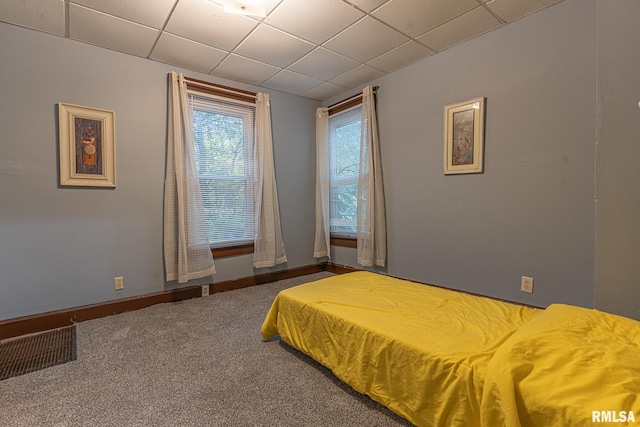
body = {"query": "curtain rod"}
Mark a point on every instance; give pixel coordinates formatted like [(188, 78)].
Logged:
[(237, 92), (351, 98)]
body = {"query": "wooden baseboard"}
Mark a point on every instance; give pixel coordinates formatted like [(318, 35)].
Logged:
[(61, 318), (339, 269)]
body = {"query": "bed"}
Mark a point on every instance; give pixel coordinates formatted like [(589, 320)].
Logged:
[(421, 351), (438, 357)]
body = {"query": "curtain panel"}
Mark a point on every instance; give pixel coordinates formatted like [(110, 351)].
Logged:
[(322, 239), (268, 245), (187, 253), (371, 219)]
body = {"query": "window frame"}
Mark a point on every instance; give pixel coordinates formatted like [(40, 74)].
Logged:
[(342, 238), (225, 94)]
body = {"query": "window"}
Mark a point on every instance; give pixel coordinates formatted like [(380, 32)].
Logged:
[(223, 131), (349, 188), (344, 168)]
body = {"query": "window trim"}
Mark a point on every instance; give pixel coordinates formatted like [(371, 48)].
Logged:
[(220, 90), (343, 240), (232, 250)]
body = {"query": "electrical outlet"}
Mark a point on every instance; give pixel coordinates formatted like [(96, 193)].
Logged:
[(118, 283), (526, 285), (205, 290)]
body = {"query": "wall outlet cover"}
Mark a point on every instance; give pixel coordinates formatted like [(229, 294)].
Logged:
[(526, 284)]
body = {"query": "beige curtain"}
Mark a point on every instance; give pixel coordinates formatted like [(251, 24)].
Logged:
[(268, 244), (371, 231), (321, 245), (187, 254)]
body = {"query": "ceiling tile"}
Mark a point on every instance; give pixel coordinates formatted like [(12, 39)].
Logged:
[(288, 81), (368, 5), (401, 56), (236, 67), (185, 53), (323, 64), (269, 5), (357, 76), (301, 18), (415, 17), (152, 13), (469, 25), (365, 40), (324, 91), (206, 22), (510, 10), (41, 15), (313, 47), (90, 26), (275, 47)]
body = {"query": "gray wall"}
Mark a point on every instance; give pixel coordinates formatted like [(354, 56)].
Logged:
[(62, 247), (556, 83), (532, 210), (617, 281)]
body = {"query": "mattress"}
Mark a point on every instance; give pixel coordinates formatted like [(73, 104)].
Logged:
[(420, 350)]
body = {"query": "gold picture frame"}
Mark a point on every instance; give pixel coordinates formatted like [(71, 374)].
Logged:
[(463, 150), (87, 146)]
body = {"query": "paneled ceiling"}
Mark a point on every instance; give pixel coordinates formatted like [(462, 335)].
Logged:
[(313, 48)]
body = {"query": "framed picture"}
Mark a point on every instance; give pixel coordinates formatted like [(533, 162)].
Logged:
[(464, 137), (87, 146)]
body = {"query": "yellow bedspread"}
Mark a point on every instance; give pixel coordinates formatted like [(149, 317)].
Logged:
[(569, 366), (421, 351)]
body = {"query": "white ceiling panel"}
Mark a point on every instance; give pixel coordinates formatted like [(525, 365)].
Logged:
[(301, 17), (288, 81), (275, 47), (467, 26), (365, 40), (239, 68), (323, 64), (368, 5), (401, 56), (185, 53), (41, 15), (269, 5), (152, 13), (206, 22), (311, 47), (324, 91), (510, 10), (415, 17), (357, 76), (91, 26)]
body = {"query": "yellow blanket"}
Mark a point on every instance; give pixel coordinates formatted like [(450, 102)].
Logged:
[(419, 350), (568, 366)]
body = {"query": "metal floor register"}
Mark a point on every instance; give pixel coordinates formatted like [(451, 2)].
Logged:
[(30, 353)]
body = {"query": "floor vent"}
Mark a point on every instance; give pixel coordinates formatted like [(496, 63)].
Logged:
[(29, 353)]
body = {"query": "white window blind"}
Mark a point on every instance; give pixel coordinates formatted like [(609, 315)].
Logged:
[(344, 164), (224, 149)]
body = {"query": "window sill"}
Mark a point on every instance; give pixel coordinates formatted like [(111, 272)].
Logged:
[(346, 241), (226, 251)]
